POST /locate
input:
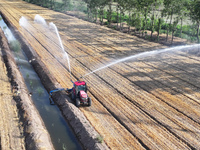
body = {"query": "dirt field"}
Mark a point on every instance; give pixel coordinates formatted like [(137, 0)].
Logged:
[(18, 129), (11, 133), (151, 103)]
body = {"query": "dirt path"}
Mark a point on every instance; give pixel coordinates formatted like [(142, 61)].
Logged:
[(11, 133), (152, 103)]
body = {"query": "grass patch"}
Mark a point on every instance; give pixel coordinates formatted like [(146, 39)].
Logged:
[(99, 139)]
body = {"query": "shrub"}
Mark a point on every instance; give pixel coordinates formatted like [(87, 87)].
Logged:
[(106, 23), (114, 17)]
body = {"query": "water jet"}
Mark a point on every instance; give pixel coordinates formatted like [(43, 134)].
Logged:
[(143, 55)]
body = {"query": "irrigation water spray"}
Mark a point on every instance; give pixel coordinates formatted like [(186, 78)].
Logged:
[(39, 19), (143, 55), (23, 22), (61, 44)]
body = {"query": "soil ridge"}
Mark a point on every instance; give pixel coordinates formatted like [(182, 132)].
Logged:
[(36, 135)]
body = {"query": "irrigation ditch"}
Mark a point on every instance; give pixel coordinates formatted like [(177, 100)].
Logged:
[(81, 127), (27, 111)]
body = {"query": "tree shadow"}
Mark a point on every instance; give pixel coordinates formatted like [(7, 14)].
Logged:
[(169, 73)]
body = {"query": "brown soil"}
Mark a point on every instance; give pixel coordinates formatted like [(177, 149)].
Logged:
[(11, 130), (17, 127), (85, 133), (151, 103)]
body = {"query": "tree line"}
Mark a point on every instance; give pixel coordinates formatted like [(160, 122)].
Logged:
[(148, 15), (166, 16)]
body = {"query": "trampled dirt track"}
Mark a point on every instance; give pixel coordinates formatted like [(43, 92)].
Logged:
[(151, 103)]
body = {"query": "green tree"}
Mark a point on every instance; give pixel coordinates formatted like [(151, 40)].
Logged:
[(93, 6), (155, 5), (144, 7), (169, 10), (101, 5), (122, 7), (183, 13), (122, 4), (109, 12), (130, 6), (137, 21), (66, 4), (33, 1), (173, 28), (89, 6), (195, 15), (52, 4), (158, 27)]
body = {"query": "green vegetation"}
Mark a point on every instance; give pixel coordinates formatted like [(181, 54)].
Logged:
[(40, 91), (99, 139), (31, 84), (27, 75), (160, 16), (15, 45)]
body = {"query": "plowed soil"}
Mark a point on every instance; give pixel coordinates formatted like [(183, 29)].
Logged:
[(11, 133), (151, 103), (18, 129)]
